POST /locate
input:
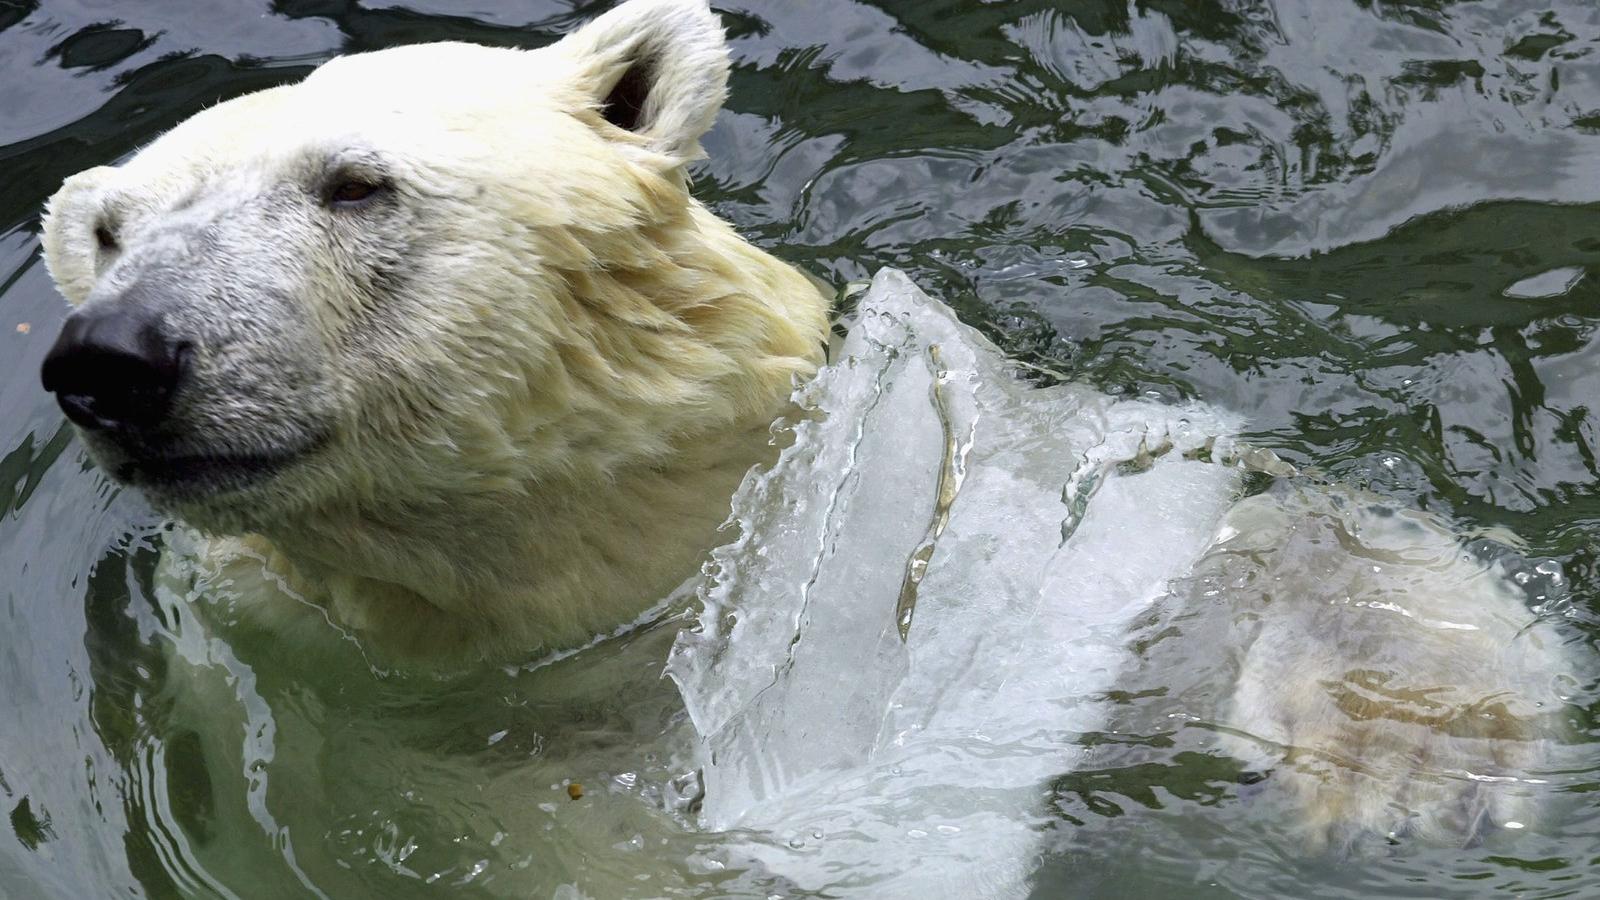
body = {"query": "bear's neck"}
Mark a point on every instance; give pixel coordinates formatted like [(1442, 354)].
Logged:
[(505, 576)]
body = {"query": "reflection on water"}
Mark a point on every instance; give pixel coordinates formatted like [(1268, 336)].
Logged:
[(1308, 212)]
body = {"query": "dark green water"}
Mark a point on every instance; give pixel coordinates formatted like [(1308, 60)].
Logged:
[(1305, 211)]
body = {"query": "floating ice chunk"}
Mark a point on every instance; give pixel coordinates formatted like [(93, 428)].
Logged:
[(923, 606)]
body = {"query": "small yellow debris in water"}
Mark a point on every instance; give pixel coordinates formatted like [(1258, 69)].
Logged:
[(23, 328), (574, 790)]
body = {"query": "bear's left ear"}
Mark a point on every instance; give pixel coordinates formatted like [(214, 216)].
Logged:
[(657, 68)]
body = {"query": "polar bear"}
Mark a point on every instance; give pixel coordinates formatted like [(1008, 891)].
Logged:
[(465, 374), (469, 368)]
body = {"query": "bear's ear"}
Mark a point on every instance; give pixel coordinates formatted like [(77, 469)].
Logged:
[(656, 68), (71, 233)]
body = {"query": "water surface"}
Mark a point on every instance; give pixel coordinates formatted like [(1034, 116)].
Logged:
[(1368, 227)]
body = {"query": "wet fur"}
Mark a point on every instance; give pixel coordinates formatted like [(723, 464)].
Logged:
[(1387, 681), (518, 386)]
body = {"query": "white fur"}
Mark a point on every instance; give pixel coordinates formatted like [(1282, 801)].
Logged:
[(532, 373)]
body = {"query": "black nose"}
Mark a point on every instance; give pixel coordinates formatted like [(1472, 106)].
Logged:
[(114, 368)]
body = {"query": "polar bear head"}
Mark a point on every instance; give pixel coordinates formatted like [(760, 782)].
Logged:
[(421, 275)]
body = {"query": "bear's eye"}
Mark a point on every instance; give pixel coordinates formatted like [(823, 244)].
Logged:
[(104, 237), (350, 191)]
